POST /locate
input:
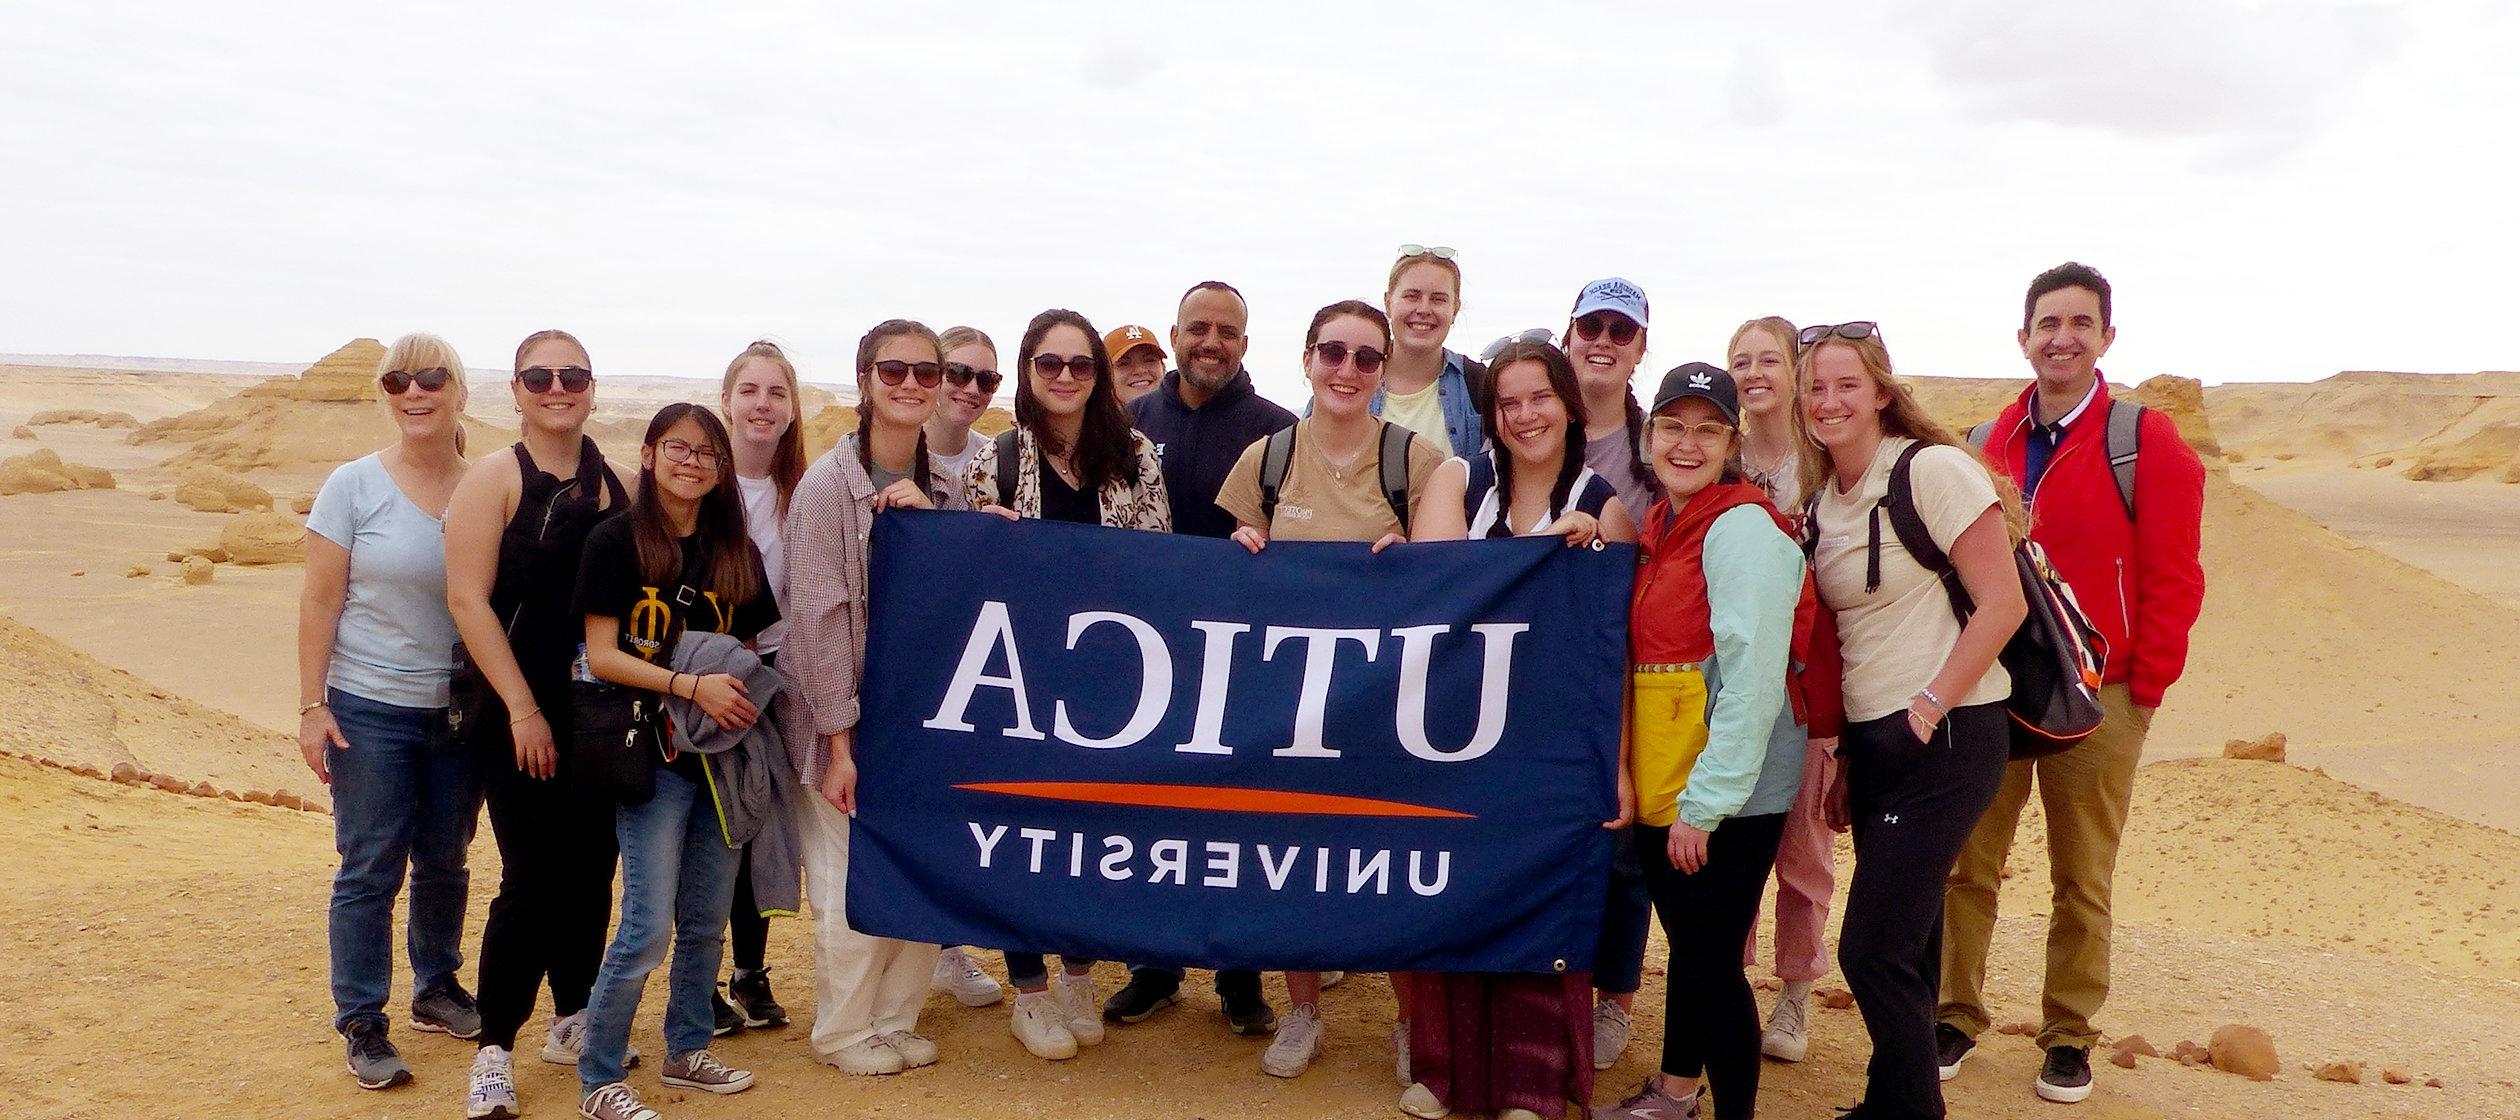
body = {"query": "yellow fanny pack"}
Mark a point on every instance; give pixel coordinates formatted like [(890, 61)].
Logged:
[(1667, 733)]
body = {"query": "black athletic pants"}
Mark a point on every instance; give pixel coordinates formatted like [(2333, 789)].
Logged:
[(1914, 805), (556, 858), (1710, 1020)]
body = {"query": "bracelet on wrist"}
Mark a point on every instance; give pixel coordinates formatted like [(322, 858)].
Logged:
[(1940, 709), (529, 714), (305, 708)]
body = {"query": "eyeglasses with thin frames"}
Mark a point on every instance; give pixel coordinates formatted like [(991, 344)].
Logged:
[(677, 451)]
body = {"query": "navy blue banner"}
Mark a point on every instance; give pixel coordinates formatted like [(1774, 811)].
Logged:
[(1139, 747)]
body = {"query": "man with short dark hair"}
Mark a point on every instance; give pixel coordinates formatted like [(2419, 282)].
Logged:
[(1201, 418), (2131, 558)]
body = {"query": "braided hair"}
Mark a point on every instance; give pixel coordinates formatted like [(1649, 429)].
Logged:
[(888, 329), (1561, 374)]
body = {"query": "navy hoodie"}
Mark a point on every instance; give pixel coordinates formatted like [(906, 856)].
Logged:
[(1200, 445)]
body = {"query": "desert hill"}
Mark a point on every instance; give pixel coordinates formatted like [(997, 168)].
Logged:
[(327, 415)]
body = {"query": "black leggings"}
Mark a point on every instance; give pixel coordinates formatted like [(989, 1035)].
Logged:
[(556, 858), (748, 933), (1914, 805), (1710, 1020)]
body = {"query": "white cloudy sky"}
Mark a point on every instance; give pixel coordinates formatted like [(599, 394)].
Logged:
[(2280, 190)]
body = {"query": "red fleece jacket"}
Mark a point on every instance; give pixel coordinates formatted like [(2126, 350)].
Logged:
[(2139, 579)]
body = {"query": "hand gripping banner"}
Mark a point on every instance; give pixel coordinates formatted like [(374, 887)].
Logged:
[(1131, 746)]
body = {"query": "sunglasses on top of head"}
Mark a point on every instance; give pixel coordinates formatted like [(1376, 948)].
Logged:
[(961, 374), (1439, 252), (1079, 367), (572, 379), (396, 382), (1621, 329), (930, 374), (1332, 354), (1852, 332)]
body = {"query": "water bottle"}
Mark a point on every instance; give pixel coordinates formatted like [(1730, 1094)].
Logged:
[(578, 670)]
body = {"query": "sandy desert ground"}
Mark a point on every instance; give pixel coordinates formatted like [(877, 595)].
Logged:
[(2359, 902)]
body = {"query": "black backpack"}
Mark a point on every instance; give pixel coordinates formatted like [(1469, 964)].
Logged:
[(2057, 656), (1392, 463)]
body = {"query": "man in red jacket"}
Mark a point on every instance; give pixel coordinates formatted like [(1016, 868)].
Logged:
[(2136, 574)]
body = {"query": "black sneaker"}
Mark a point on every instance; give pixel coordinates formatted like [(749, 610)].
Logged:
[(446, 1009), (373, 1060), (2066, 1078), (1146, 993), (1951, 1048), (1249, 1014), (729, 1020), (751, 992)]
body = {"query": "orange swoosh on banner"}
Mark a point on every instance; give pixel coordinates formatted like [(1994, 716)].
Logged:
[(1223, 799)]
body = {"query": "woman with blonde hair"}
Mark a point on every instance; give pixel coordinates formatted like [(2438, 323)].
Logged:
[(375, 651), (971, 383), (1926, 736)]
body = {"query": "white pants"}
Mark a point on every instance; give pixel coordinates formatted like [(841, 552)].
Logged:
[(863, 986)]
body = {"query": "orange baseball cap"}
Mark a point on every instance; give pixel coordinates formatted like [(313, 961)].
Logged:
[(1124, 339)]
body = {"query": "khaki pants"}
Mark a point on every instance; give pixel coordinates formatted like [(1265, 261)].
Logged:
[(2085, 792), (863, 986)]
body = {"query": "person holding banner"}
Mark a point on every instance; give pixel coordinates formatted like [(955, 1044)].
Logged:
[(1517, 1045), (1076, 459), (677, 561), (1716, 748), (1339, 474), (868, 990), (1762, 360), (1926, 739)]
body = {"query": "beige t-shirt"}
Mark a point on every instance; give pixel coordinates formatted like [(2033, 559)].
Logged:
[(1896, 638), (1315, 506), (1422, 413)]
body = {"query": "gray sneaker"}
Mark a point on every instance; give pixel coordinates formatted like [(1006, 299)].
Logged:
[(567, 1042), (701, 1070), (1788, 1035), (446, 1009), (1611, 1028), (1649, 1102), (373, 1060), (617, 1101)]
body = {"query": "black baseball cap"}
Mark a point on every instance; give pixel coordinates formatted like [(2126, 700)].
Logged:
[(1698, 379)]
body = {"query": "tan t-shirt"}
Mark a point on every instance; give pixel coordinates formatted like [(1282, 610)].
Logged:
[(1315, 506), (1896, 638), (1420, 412)]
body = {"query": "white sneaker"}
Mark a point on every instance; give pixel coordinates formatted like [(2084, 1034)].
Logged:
[(1040, 1024), (1788, 1037), (567, 1042), (869, 1057), (1076, 1002), (1331, 980), (1298, 1042), (492, 1095), (955, 973), (1611, 1028), (1419, 1101), (915, 1049)]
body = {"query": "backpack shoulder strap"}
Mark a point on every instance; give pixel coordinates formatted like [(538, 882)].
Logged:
[(1276, 456), (1482, 480), (1009, 464), (1811, 527), (1899, 504), (1978, 435), (2126, 442), (1394, 466)]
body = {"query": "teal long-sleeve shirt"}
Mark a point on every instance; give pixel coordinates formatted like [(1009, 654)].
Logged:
[(1754, 578)]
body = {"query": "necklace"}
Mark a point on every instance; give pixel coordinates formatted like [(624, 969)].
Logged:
[(1338, 467)]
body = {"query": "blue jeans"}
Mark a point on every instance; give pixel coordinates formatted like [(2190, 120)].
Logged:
[(403, 796), (677, 878)]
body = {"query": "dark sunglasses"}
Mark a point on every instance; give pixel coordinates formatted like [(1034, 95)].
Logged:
[(572, 379), (396, 382), (1852, 332), (961, 374), (930, 374), (1621, 329), (1332, 354), (1079, 368)]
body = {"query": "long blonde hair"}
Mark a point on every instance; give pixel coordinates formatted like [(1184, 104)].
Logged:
[(1903, 416), (428, 351)]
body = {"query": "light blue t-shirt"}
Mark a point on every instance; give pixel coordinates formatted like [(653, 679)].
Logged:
[(395, 643)]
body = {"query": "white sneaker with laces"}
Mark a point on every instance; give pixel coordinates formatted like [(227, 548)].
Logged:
[(567, 1041), (971, 987), (617, 1101), (1611, 1029), (1788, 1036), (1040, 1024), (492, 1095), (1298, 1042), (869, 1057), (915, 1049), (1076, 1004)]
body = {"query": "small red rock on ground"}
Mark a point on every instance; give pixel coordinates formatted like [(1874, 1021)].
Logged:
[(2348, 1073), (1835, 999)]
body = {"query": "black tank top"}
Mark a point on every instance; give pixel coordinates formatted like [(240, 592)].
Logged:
[(538, 562)]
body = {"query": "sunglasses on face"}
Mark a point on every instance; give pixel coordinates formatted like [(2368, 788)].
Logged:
[(1440, 252), (396, 382), (1333, 354), (1852, 332), (961, 374), (930, 374), (1669, 430), (1079, 368), (676, 451), (572, 379), (1621, 329)]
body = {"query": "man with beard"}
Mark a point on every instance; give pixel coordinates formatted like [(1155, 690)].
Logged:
[(1201, 419)]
